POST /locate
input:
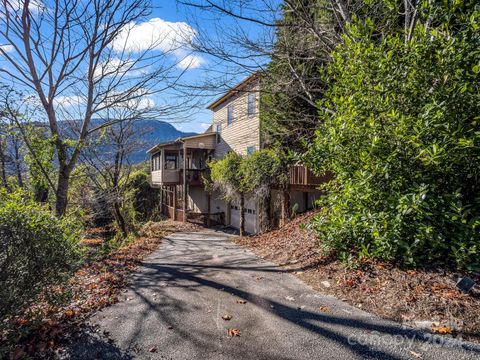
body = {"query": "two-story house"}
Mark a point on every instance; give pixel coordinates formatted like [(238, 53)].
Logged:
[(177, 166)]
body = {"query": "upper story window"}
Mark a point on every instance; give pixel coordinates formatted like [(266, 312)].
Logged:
[(251, 104), (250, 149), (219, 131), (170, 162), (156, 161), (229, 114)]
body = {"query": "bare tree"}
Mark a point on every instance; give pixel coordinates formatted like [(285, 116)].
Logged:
[(108, 165), (80, 59), (287, 42)]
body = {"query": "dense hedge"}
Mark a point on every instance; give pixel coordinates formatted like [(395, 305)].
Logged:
[(404, 145), (36, 249)]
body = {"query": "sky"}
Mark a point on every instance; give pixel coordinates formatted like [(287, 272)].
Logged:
[(203, 66), (166, 35)]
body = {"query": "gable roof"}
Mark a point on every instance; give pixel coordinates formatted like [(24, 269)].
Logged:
[(234, 90), (178, 141)]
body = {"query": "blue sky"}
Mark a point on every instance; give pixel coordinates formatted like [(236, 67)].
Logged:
[(161, 42), (207, 25)]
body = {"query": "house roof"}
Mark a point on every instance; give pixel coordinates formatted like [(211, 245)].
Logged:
[(234, 90), (178, 141)]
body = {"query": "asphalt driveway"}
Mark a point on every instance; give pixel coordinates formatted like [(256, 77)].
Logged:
[(174, 306)]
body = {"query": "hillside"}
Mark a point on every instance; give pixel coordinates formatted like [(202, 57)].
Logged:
[(154, 132)]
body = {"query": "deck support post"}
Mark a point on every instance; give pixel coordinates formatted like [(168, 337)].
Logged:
[(174, 203), (184, 183)]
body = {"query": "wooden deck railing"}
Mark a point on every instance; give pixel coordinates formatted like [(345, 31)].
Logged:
[(301, 175)]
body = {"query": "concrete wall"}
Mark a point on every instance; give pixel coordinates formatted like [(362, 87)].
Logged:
[(197, 199)]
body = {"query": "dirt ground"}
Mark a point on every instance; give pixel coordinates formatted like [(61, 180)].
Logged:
[(426, 299)]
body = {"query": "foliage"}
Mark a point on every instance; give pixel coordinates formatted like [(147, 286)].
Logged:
[(226, 175), (39, 159), (291, 84), (263, 169), (144, 200), (236, 175), (404, 142), (259, 171), (36, 249)]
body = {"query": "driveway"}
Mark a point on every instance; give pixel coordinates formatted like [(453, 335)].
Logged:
[(174, 306)]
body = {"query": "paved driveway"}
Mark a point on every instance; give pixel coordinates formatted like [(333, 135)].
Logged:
[(174, 307)]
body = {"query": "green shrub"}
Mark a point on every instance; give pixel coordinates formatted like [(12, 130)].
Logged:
[(36, 249), (144, 200), (263, 169), (404, 145)]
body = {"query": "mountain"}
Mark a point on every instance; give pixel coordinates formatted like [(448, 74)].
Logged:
[(148, 133), (152, 133)]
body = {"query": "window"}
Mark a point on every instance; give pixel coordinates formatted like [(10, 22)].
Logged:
[(156, 162), (251, 104), (229, 114), (219, 131), (250, 149), (170, 162)]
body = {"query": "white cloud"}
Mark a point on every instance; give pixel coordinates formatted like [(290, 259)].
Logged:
[(139, 101), (205, 126), (191, 61), (165, 36), (66, 101), (10, 6), (7, 48), (115, 66)]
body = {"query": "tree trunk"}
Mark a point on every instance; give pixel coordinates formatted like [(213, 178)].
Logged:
[(242, 214), (285, 215), (3, 171), (209, 210), (264, 216), (62, 191), (122, 224), (18, 166)]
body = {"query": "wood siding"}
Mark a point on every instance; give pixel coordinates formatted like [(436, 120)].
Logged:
[(201, 142), (166, 177), (244, 131)]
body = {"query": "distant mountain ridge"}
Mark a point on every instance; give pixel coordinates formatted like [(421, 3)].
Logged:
[(152, 133), (148, 132)]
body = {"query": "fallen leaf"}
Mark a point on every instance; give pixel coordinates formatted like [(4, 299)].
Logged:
[(323, 309), (69, 313), (227, 317), (417, 355), (241, 302), (442, 330), (259, 278), (289, 298), (234, 332), (152, 349), (326, 284)]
